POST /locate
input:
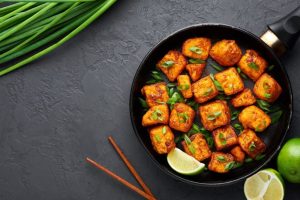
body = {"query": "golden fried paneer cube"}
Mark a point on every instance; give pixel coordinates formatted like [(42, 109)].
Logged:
[(172, 64), (182, 117), (267, 88), (245, 98), (252, 64), (221, 162), (162, 139), (196, 48), (224, 137), (156, 115), (230, 81), (195, 70), (226, 52), (185, 86), (197, 147), (214, 114), (155, 94), (251, 143), (254, 118), (204, 90), (238, 154)]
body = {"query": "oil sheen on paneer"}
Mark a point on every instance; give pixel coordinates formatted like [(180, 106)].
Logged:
[(252, 64), (230, 81), (224, 137), (156, 115), (182, 117), (197, 48), (226, 52), (251, 143), (204, 90), (238, 154), (195, 70), (245, 98), (155, 94), (254, 118), (197, 147), (267, 88), (221, 162), (162, 139), (214, 114), (185, 86), (172, 64)]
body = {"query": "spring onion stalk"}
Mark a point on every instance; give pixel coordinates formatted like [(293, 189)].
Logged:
[(10, 8), (41, 31), (59, 27), (13, 19), (26, 6)]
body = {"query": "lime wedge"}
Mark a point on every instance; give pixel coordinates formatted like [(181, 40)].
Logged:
[(184, 163), (266, 184)]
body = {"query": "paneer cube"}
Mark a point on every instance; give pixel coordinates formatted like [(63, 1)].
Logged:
[(195, 70), (267, 88), (224, 137), (204, 90), (252, 64), (230, 81), (185, 86), (197, 147), (254, 118), (238, 154), (197, 48), (172, 64), (155, 94), (245, 98), (214, 114), (156, 115), (251, 143), (221, 162), (162, 139), (182, 117), (226, 52)]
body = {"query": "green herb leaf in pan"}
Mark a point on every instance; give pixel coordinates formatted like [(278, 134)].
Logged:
[(214, 115), (183, 87), (143, 103), (229, 165), (216, 83), (271, 67)]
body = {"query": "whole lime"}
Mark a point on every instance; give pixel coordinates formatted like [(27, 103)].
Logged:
[(288, 160)]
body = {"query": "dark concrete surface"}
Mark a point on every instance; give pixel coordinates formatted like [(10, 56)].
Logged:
[(61, 108)]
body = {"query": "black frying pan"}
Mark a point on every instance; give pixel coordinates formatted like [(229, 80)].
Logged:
[(281, 36)]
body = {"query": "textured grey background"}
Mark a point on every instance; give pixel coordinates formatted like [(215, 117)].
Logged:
[(62, 107)]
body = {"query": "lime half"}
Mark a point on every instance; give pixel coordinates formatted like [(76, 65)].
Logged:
[(184, 163), (266, 184)]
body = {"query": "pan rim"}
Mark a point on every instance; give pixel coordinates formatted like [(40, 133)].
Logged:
[(223, 183)]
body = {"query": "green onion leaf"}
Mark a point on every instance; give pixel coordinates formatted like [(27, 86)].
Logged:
[(196, 50), (248, 160), (234, 115), (216, 83), (238, 127), (164, 130), (157, 138), (183, 117), (271, 67), (183, 87), (229, 165), (263, 105), (214, 115), (143, 103), (221, 158), (267, 95), (254, 66), (168, 64), (208, 92), (276, 116), (196, 61), (260, 157), (217, 67), (252, 146)]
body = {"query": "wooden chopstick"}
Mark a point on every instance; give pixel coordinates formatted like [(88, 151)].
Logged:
[(118, 178), (130, 167)]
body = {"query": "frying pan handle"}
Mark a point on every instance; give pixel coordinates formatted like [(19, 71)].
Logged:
[(287, 30)]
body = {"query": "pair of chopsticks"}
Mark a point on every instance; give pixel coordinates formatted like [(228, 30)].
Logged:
[(146, 193)]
